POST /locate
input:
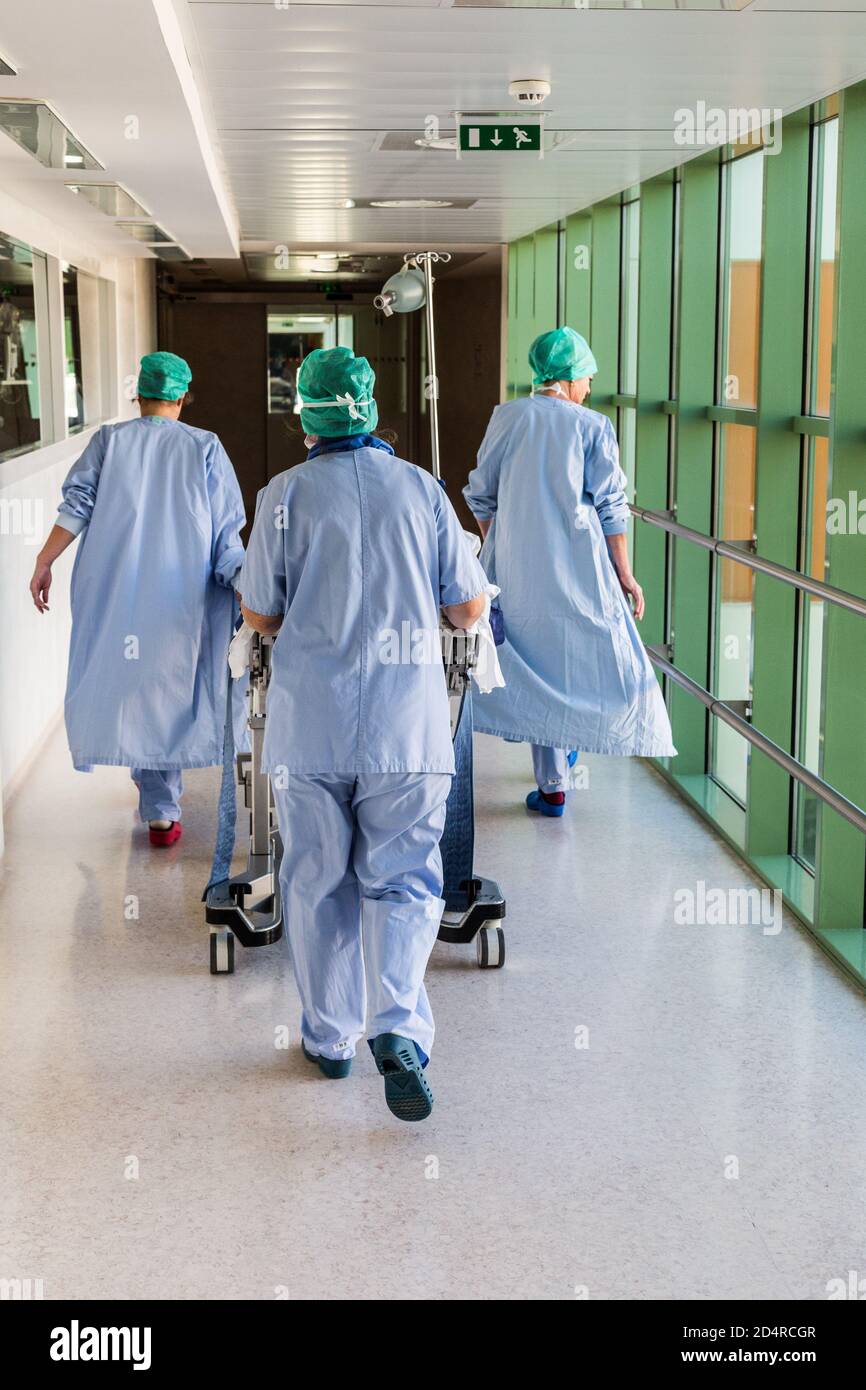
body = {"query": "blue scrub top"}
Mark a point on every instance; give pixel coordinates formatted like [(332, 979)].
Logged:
[(159, 512), (357, 550), (577, 674)]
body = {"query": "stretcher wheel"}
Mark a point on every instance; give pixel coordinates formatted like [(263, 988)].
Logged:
[(490, 948), (222, 952)]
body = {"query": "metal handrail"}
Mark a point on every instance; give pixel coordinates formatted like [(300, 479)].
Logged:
[(845, 808), (729, 550)]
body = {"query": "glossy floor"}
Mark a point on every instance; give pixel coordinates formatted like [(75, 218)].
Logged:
[(631, 1108)]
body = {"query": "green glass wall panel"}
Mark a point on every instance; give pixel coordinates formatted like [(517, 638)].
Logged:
[(546, 306), (777, 522), (652, 425), (533, 298), (841, 857), (511, 325), (604, 331), (525, 320), (690, 610), (577, 255)]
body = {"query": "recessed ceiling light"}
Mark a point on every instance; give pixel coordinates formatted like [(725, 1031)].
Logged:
[(38, 130), (346, 203), (148, 232), (110, 198), (410, 203)]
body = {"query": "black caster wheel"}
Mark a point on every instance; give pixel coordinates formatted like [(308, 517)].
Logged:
[(222, 952), (490, 948)]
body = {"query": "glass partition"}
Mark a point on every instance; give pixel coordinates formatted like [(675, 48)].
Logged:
[(630, 252), (22, 319), (88, 376), (734, 607), (816, 480), (811, 646), (742, 212), (825, 145)]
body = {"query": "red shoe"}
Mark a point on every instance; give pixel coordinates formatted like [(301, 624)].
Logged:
[(166, 837)]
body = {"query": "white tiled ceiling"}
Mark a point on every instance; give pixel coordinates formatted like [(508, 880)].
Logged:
[(300, 97)]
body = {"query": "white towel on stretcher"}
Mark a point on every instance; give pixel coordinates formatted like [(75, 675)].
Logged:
[(239, 650), (487, 673)]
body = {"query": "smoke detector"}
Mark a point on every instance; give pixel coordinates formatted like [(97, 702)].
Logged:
[(529, 91)]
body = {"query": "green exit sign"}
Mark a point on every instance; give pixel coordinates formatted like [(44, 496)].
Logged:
[(506, 135)]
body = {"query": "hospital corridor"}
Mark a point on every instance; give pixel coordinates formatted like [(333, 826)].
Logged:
[(433, 563)]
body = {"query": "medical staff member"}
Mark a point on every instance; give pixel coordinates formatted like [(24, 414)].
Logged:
[(549, 497), (352, 555), (158, 510)]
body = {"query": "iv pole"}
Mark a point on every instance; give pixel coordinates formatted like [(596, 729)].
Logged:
[(391, 300)]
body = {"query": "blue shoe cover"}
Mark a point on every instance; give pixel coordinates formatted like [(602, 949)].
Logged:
[(398, 1060), (536, 802)]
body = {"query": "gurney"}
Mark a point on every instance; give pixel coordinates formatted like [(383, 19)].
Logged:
[(247, 905), (474, 906)]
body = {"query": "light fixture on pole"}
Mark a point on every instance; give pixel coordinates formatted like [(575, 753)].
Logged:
[(410, 289)]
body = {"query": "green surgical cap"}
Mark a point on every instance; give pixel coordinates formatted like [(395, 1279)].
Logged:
[(336, 393), (163, 377), (561, 355)]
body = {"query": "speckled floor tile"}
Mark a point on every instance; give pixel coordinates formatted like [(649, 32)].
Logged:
[(632, 1108)]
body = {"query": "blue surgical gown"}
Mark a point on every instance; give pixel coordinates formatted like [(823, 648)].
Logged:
[(160, 512), (577, 674), (358, 549)]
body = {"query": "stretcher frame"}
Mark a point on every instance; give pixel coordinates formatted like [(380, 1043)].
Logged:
[(248, 906)]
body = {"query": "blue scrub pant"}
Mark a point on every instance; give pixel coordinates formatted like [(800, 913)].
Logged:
[(159, 792), (361, 882), (551, 769)]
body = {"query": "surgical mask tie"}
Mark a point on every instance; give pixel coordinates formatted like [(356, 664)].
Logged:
[(348, 401), (554, 389)]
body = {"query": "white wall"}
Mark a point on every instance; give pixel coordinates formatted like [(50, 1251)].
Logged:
[(33, 649)]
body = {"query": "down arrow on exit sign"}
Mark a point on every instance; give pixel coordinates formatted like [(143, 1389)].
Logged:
[(503, 136)]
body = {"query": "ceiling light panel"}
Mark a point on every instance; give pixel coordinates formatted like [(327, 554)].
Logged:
[(39, 131), (147, 232), (111, 199)]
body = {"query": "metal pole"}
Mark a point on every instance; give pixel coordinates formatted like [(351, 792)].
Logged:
[(728, 551), (845, 808), (433, 396)]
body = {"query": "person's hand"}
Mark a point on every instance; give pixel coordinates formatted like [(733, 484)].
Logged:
[(40, 584), (633, 591)]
